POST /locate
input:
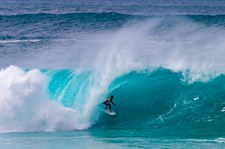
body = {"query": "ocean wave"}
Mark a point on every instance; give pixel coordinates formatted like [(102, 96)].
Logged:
[(67, 100)]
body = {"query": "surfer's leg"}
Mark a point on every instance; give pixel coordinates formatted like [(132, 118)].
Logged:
[(105, 103), (110, 107)]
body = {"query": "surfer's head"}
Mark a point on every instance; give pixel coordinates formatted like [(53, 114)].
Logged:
[(112, 97)]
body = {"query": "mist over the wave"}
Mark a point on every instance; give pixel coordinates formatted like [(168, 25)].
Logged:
[(176, 43)]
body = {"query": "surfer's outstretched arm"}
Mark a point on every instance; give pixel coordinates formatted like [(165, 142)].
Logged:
[(113, 103)]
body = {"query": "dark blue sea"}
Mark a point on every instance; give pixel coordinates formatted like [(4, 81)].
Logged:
[(162, 60)]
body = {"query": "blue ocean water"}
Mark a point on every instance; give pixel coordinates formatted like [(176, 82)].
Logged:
[(162, 60)]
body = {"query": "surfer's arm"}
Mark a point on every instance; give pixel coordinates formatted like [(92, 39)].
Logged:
[(113, 103)]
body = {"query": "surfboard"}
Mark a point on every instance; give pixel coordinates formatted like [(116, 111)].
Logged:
[(102, 107), (108, 112)]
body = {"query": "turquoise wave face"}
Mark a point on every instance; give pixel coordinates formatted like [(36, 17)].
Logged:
[(144, 95), (66, 85), (160, 100), (148, 101)]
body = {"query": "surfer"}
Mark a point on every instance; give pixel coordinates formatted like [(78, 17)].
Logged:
[(107, 103)]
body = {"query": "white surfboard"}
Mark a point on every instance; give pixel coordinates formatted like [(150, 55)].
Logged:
[(108, 112)]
